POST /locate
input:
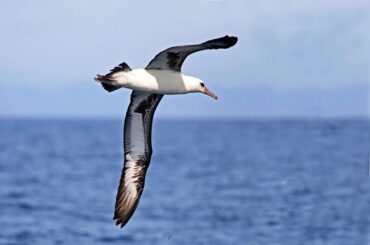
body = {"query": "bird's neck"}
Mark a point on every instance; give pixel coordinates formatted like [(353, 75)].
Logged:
[(191, 83)]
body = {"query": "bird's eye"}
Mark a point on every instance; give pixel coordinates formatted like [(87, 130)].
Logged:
[(202, 84)]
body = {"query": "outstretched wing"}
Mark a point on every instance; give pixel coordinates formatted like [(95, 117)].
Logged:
[(137, 153), (173, 58)]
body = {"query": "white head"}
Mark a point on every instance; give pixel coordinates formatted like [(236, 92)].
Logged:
[(194, 84)]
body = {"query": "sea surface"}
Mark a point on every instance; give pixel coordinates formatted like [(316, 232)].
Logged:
[(256, 182)]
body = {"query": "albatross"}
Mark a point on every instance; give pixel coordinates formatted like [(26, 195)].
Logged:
[(162, 76)]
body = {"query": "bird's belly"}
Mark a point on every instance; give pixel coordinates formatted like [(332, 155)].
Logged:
[(156, 81)]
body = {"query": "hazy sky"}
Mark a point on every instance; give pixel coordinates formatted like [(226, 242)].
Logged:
[(293, 58)]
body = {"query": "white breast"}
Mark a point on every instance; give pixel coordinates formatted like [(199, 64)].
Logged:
[(157, 81)]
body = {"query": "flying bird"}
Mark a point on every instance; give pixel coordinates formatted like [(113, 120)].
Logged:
[(162, 76)]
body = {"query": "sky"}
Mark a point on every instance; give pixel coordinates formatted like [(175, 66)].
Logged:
[(293, 59)]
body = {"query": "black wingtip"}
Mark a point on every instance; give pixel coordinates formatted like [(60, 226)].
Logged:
[(222, 42), (232, 40), (229, 41), (121, 223)]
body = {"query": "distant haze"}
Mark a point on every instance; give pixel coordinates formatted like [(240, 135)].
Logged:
[(293, 59)]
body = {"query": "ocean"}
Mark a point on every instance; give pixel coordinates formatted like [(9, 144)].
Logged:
[(255, 182)]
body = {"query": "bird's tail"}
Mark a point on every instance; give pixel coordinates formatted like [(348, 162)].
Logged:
[(107, 82)]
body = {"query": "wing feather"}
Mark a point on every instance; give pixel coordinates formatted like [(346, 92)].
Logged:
[(173, 58), (138, 152)]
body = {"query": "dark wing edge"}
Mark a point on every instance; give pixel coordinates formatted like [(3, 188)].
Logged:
[(137, 153), (173, 58)]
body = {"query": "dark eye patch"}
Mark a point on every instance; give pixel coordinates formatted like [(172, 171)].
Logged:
[(202, 84)]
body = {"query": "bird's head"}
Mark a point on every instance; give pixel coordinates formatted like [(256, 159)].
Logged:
[(195, 85), (203, 89)]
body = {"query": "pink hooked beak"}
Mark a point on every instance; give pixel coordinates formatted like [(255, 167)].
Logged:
[(209, 93)]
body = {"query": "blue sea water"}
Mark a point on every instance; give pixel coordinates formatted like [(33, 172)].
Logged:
[(210, 182)]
